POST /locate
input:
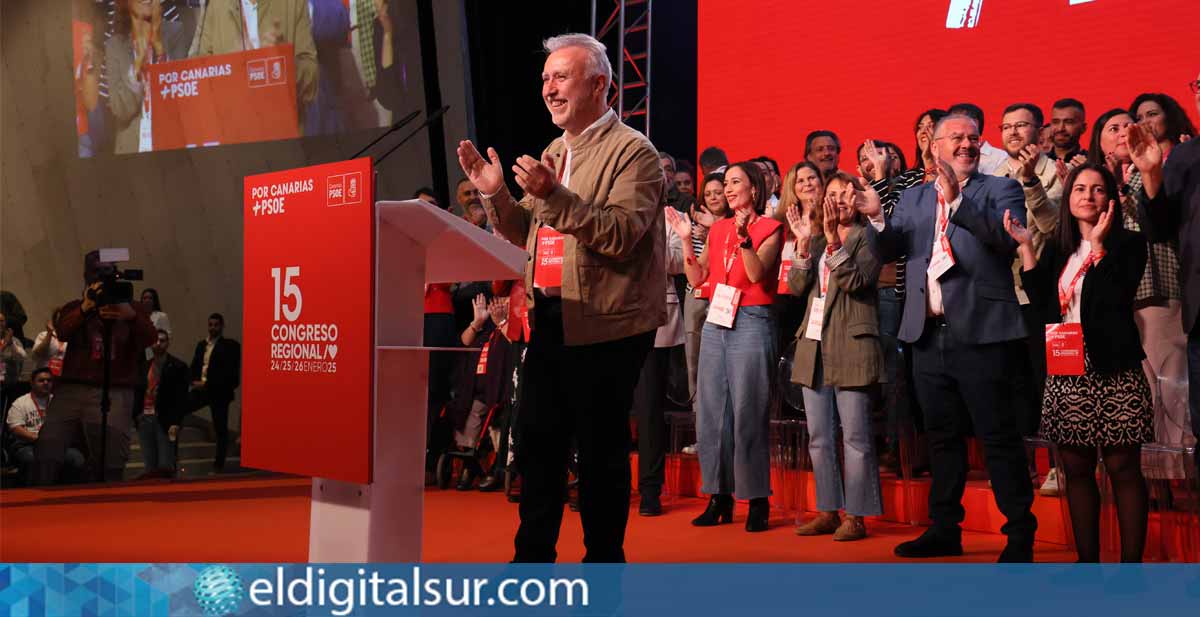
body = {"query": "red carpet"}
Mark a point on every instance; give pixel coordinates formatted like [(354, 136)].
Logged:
[(266, 520)]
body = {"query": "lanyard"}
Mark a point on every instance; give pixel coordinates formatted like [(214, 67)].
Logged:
[(943, 220), (825, 271), (731, 249), (40, 412), (1066, 294)]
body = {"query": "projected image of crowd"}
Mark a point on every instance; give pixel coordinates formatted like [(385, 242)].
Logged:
[(351, 68)]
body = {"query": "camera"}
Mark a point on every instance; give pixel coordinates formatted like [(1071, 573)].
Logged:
[(115, 287)]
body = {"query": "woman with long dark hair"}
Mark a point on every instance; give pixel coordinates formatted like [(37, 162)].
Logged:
[(1163, 117), (1085, 284), (738, 341), (1158, 303), (923, 131)]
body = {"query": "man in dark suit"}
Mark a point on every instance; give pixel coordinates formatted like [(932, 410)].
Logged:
[(1177, 218), (216, 373), (160, 400), (962, 318)]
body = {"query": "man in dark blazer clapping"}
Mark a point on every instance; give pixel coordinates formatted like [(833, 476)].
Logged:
[(216, 374), (962, 318)]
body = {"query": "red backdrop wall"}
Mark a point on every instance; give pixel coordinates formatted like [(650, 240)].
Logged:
[(772, 70)]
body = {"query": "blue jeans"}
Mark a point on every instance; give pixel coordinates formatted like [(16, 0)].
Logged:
[(823, 405), (733, 389), (156, 447), (24, 455)]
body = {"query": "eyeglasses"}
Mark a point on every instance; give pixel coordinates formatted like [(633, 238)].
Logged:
[(1020, 126), (1194, 86), (957, 138)]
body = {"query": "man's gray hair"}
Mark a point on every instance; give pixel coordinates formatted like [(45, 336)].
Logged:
[(598, 63), (938, 127), (662, 154)]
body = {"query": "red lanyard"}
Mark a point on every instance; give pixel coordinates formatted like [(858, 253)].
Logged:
[(40, 412), (731, 249), (943, 212), (825, 271), (1065, 295)]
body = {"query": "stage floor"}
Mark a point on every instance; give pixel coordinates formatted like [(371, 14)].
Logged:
[(265, 519)]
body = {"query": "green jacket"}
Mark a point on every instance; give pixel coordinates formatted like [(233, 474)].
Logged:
[(849, 349)]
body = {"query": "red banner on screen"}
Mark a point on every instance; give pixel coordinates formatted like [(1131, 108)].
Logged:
[(770, 71), (308, 340), (225, 99)]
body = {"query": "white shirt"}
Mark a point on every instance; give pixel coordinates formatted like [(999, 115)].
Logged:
[(933, 298), (772, 204), (160, 321), (991, 158), (250, 14), (209, 344), (24, 413), (566, 174), (53, 349), (1072, 268)]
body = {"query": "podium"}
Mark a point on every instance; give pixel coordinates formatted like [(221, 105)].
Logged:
[(415, 244)]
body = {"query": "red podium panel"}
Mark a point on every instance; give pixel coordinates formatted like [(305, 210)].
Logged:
[(308, 342), (225, 99)]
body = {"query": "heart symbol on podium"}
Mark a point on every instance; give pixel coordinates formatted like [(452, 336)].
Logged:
[(332, 351)]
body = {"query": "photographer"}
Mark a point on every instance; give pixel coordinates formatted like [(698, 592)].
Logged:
[(74, 416)]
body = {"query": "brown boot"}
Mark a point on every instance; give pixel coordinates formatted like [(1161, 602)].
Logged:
[(852, 528), (825, 523)]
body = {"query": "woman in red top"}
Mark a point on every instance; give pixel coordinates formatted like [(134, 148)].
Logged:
[(737, 348)]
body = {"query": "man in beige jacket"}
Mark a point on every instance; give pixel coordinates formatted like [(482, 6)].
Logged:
[(238, 25), (592, 220), (1019, 132)]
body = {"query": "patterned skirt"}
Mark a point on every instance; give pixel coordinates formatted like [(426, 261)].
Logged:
[(1098, 410)]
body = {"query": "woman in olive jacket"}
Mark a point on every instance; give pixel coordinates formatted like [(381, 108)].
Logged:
[(838, 357)]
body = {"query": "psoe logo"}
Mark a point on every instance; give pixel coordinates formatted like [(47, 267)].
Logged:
[(256, 73), (344, 189), (219, 591), (965, 13)]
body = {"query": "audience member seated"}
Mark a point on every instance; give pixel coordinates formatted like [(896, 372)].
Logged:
[(25, 419), (160, 402), (216, 373)]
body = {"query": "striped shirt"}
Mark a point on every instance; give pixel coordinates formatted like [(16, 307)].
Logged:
[(889, 195)]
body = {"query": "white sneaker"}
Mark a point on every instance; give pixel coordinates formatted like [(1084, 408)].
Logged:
[(1050, 486), (692, 449)]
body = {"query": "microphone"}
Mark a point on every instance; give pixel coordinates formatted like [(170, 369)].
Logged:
[(428, 120), (395, 127)]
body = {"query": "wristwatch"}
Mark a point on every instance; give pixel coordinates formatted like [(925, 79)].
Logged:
[(748, 243), (1030, 183)]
